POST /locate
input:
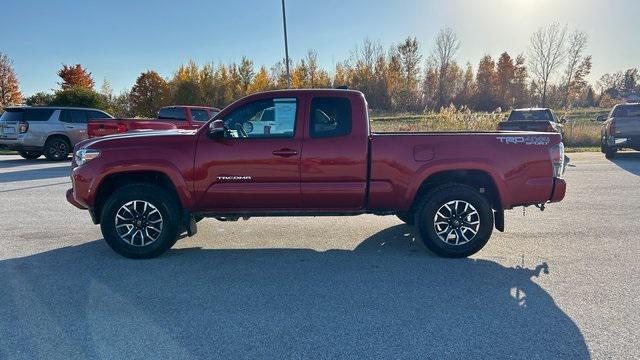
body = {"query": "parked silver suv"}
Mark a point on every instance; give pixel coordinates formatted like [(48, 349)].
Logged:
[(52, 131)]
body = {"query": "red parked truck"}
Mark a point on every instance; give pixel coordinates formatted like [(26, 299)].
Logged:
[(315, 156), (169, 117)]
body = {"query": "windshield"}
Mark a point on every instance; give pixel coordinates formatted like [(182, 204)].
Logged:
[(11, 115), (531, 115)]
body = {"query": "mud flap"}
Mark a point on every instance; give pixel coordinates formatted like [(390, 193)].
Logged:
[(498, 216)]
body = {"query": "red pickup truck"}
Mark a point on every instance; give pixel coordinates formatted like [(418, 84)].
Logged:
[(313, 155), (170, 117)]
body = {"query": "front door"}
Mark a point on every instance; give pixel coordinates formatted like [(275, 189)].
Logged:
[(255, 166)]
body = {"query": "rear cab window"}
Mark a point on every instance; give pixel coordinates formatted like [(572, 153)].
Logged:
[(531, 115), (330, 117), (626, 111), (172, 113)]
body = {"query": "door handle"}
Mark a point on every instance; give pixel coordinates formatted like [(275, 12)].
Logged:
[(285, 152)]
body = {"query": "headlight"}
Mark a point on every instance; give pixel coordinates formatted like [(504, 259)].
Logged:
[(84, 155)]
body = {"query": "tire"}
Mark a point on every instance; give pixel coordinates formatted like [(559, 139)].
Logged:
[(56, 149), (461, 225), (610, 152), (145, 243), (30, 155), (408, 217)]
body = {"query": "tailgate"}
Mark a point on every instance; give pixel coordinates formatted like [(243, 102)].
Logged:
[(97, 128), (105, 127), (627, 126)]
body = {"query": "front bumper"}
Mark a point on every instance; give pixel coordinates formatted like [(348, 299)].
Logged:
[(71, 199)]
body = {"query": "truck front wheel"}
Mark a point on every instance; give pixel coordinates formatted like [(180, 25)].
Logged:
[(454, 220), (141, 221)]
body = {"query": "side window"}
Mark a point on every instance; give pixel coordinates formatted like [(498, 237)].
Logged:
[(270, 118), (330, 117), (200, 115), (172, 113), (74, 116), (37, 114)]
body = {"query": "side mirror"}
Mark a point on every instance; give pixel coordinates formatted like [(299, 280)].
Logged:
[(563, 120), (601, 118), (217, 129)]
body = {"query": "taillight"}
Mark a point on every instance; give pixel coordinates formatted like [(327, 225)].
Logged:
[(23, 127), (556, 152)]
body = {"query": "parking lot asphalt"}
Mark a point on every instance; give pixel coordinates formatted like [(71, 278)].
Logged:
[(561, 283)]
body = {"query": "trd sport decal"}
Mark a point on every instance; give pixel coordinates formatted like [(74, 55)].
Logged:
[(234, 178), (526, 140)]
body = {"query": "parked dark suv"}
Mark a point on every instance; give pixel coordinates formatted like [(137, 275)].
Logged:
[(48, 131), (620, 129)]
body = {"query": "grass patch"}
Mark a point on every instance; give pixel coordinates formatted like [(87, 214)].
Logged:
[(582, 149), (7, 152)]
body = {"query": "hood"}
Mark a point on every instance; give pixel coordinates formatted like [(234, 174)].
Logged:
[(142, 135)]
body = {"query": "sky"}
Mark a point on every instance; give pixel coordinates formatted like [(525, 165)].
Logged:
[(118, 39)]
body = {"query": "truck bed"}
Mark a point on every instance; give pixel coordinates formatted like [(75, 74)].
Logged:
[(523, 158)]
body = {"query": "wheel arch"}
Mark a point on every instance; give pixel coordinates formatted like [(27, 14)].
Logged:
[(111, 182), (479, 179), (61, 136)]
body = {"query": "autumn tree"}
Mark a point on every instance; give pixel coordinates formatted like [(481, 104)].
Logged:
[(408, 53), (505, 78), (75, 76), (446, 46), (184, 87), (148, 94), (577, 68), (547, 53), (486, 79), (261, 81), (246, 74), (467, 88), (9, 87)]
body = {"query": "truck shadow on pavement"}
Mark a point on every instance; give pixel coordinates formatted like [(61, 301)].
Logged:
[(388, 298), (629, 161)]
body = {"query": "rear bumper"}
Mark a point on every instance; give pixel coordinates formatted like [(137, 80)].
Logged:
[(17, 145), (72, 200), (622, 142), (559, 190)]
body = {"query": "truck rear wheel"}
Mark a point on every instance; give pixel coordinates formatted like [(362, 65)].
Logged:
[(141, 221), (455, 220)]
